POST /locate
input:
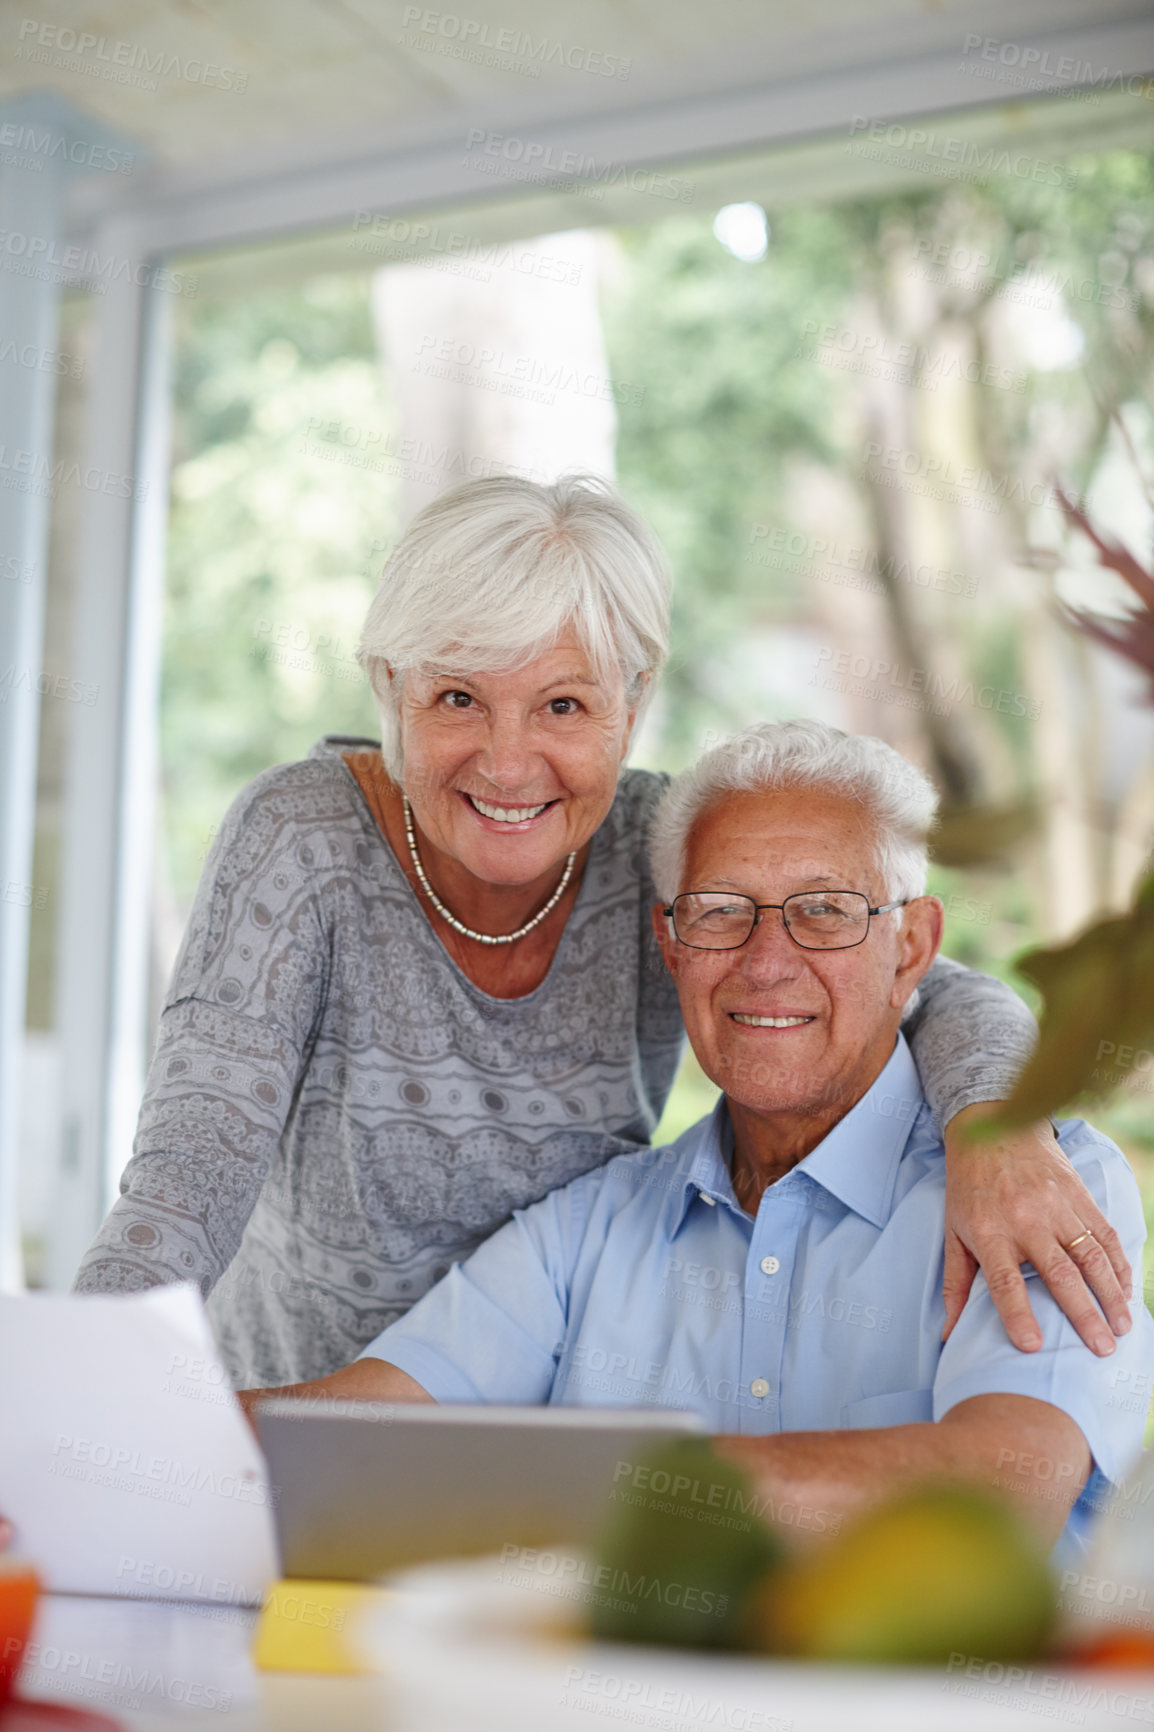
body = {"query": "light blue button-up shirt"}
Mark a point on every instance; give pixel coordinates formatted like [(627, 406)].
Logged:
[(645, 1282)]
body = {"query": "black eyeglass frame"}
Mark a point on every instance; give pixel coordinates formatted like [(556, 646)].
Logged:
[(760, 908)]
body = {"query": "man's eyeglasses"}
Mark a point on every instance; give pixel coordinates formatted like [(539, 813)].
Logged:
[(814, 919)]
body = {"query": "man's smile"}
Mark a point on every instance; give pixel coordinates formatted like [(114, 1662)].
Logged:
[(748, 1020)]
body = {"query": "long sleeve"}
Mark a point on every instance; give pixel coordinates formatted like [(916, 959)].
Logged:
[(234, 1034), (970, 1035)]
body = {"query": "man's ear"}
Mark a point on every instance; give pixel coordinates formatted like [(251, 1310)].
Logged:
[(665, 939), (919, 941)]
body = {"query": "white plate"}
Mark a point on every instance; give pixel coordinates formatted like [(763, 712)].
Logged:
[(483, 1644)]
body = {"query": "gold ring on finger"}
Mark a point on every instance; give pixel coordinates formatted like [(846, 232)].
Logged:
[(1086, 1235)]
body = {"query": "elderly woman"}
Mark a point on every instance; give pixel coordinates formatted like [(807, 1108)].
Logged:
[(419, 987)]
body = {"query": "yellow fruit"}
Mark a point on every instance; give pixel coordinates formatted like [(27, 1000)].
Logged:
[(937, 1571)]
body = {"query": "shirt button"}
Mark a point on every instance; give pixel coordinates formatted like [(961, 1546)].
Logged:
[(770, 1265), (759, 1387)]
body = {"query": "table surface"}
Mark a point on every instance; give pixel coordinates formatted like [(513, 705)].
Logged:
[(153, 1666)]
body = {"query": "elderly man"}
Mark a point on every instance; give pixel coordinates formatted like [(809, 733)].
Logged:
[(778, 1269)]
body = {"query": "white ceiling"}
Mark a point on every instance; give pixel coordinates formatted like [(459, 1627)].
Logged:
[(329, 76), (351, 104)]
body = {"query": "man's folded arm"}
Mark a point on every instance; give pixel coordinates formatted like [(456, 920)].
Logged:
[(1028, 1450), (363, 1380), (1028, 1425)]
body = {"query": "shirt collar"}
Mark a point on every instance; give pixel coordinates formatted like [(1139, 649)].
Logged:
[(857, 1162), (709, 1158)]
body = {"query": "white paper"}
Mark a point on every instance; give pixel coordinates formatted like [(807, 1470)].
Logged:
[(126, 1463), (146, 1665)]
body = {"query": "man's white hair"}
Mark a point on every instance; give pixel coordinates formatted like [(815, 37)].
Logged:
[(897, 800), (492, 573)]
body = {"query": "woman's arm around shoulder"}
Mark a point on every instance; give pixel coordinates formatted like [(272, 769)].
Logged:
[(1014, 1198)]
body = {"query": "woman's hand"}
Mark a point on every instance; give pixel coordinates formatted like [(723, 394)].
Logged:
[(1016, 1199)]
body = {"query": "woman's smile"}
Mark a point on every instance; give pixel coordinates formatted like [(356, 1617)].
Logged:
[(503, 818)]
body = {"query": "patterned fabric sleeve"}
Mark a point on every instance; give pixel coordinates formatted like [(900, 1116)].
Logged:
[(970, 1035), (234, 1036)]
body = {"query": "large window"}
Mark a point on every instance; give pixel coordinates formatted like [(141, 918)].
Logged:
[(846, 412)]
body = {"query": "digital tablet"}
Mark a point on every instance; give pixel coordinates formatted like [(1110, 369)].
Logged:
[(359, 1488)]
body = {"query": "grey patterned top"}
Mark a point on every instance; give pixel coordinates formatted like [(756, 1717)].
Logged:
[(335, 1113)]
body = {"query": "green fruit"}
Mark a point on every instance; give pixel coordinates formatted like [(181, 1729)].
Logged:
[(681, 1550), (934, 1572)]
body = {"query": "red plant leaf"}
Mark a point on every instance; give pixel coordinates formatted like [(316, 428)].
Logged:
[(1133, 636)]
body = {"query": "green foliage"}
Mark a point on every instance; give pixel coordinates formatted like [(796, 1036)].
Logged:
[(727, 398), (691, 1097), (733, 399), (981, 835), (1099, 1012), (277, 532)]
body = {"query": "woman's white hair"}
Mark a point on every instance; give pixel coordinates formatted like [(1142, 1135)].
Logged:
[(492, 573), (770, 757)]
